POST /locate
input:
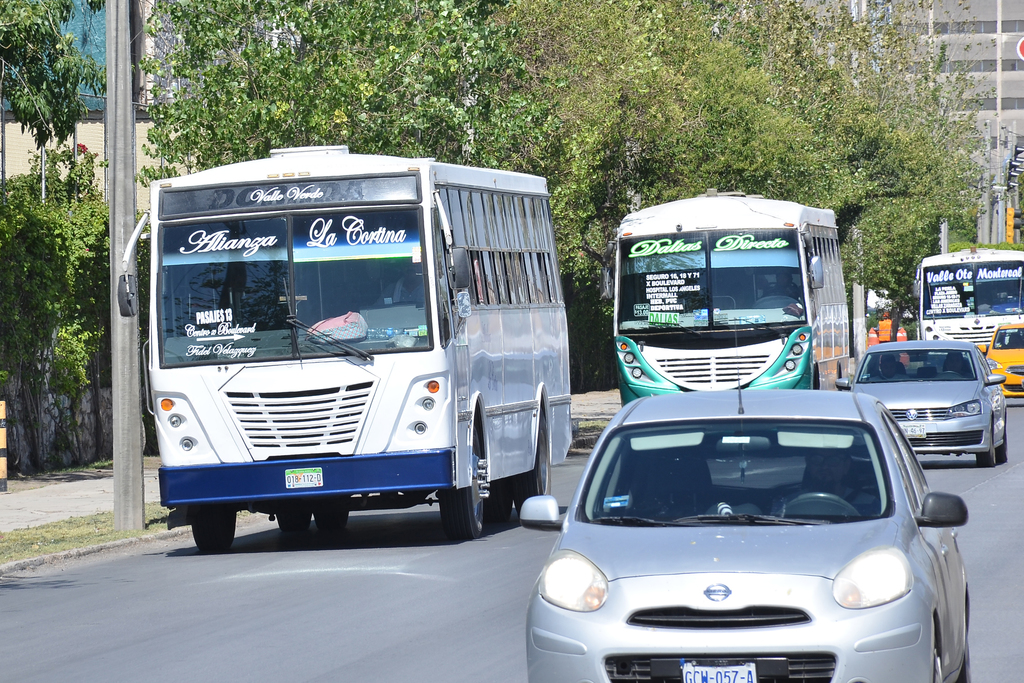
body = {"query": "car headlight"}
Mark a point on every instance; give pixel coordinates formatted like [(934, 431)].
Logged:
[(873, 578), (965, 409), (993, 365), (573, 582)]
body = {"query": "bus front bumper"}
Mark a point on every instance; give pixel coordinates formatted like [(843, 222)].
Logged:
[(269, 480)]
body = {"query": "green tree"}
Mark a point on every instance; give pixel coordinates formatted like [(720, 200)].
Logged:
[(411, 77), (41, 70)]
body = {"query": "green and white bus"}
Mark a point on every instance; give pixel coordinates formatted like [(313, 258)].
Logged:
[(726, 290)]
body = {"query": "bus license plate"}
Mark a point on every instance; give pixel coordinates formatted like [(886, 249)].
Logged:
[(308, 478), (733, 673), (914, 430)]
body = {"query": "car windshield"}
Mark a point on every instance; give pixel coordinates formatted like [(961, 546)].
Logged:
[(737, 472), (923, 365)]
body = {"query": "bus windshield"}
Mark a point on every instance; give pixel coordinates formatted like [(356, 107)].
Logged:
[(982, 289), (354, 276), (711, 281)]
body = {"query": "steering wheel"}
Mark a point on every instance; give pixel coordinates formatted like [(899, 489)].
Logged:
[(820, 503)]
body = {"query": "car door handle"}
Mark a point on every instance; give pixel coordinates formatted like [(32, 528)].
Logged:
[(945, 549)]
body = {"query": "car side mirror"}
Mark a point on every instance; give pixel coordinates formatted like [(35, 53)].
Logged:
[(541, 513), (462, 272), (843, 383), (817, 273), (993, 380), (983, 348), (942, 510)]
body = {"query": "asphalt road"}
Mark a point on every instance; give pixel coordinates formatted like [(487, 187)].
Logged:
[(390, 599)]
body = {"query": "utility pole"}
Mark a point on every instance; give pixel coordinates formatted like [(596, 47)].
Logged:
[(129, 503)]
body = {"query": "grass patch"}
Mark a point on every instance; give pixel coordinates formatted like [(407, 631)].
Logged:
[(590, 426), (77, 532)]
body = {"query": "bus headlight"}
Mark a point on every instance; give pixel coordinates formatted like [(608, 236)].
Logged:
[(790, 365), (187, 444), (637, 373), (428, 403), (175, 421), (420, 427), (629, 359), (797, 349)]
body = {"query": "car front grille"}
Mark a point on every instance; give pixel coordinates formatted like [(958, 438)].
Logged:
[(1013, 387), (714, 370), (923, 414), (1015, 369), (799, 668), (975, 335), (751, 617), (321, 420), (949, 439)]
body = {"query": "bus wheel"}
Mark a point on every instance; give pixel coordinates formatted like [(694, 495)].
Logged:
[(498, 505), (537, 481), (291, 521), (462, 510), (331, 515), (213, 529)]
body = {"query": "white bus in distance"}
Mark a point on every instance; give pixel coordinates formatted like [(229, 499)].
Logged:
[(965, 295), (727, 290), (334, 332)]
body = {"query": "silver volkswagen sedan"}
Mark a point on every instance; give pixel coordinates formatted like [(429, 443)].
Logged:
[(942, 394), (754, 537)]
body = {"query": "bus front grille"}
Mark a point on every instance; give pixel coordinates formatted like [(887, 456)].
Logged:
[(715, 371), (320, 420)]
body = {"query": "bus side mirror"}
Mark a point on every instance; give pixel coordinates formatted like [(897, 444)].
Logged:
[(607, 290), (461, 270), (127, 296), (917, 288), (817, 273)]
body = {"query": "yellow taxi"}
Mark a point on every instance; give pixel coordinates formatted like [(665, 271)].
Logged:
[(1005, 356)]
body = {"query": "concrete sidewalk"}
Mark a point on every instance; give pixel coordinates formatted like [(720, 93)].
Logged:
[(51, 498)]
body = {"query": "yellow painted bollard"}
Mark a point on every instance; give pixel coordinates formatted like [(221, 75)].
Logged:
[(3, 446)]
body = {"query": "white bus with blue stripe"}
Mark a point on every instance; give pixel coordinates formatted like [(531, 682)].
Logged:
[(332, 332), (724, 291)]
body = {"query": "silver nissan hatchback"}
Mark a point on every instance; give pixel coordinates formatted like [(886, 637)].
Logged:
[(754, 537)]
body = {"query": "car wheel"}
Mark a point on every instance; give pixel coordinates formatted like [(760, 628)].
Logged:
[(213, 529), (331, 516), (1001, 454), (988, 458), (537, 481), (294, 521)]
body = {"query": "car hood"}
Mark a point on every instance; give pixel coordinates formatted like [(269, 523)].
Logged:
[(811, 550), (921, 394)]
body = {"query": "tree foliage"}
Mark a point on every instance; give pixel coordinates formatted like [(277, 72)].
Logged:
[(41, 69), (54, 305)]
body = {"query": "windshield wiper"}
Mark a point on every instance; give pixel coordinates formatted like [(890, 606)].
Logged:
[(318, 336), (631, 521), (745, 518)]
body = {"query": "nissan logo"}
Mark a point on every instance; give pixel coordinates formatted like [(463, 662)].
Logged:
[(911, 414), (717, 592)]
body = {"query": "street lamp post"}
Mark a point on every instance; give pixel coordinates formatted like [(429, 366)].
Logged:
[(129, 503)]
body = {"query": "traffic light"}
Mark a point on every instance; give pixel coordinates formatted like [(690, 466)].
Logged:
[(1013, 223), (1015, 166)]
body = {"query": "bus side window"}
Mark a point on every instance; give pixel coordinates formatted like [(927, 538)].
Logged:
[(444, 300)]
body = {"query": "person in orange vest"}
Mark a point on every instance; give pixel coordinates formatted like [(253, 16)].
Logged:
[(885, 328)]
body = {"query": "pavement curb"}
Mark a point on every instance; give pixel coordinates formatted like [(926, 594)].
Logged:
[(64, 555)]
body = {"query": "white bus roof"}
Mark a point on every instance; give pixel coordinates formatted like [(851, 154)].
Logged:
[(321, 162), (976, 255), (723, 211)]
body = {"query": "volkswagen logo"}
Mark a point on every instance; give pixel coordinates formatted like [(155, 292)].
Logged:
[(717, 592), (911, 414)]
